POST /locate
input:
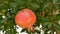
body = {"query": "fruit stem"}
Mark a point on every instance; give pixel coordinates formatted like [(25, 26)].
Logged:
[(30, 28)]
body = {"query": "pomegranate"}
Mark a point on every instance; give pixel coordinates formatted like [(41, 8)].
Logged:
[(25, 18)]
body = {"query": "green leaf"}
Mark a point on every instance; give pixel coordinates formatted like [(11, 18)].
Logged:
[(0, 16), (56, 1), (46, 24), (19, 2), (58, 17), (1, 27), (8, 31), (34, 5), (45, 5), (13, 5), (25, 1), (56, 26)]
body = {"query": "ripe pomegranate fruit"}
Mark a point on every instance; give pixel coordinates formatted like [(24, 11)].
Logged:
[(25, 18)]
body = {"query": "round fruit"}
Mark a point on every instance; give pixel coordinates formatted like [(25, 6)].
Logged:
[(25, 18)]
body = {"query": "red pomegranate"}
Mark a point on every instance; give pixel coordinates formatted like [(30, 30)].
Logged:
[(25, 18)]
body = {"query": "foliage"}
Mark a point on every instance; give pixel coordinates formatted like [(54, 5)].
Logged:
[(47, 13)]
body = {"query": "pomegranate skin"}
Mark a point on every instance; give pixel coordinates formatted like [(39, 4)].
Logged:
[(25, 18)]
